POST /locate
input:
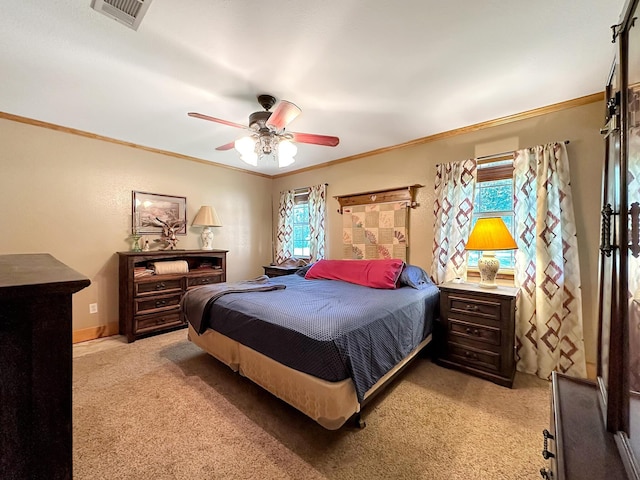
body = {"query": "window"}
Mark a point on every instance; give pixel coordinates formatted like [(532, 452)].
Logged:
[(494, 198), (301, 230)]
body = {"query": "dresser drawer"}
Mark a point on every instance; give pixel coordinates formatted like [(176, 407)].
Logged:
[(474, 357), (158, 285), (152, 322), (204, 279), (157, 303), (470, 333), (471, 307)]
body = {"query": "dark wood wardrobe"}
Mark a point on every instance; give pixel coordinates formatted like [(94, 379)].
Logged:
[(595, 426)]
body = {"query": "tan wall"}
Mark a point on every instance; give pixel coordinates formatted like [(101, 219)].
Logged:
[(70, 196), (416, 164)]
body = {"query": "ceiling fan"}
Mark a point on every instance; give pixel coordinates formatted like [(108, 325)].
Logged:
[(268, 135)]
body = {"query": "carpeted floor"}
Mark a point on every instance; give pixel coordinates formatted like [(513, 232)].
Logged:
[(160, 408)]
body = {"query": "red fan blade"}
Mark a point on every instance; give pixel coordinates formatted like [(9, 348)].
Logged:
[(217, 120), (227, 146), (284, 113), (324, 140)]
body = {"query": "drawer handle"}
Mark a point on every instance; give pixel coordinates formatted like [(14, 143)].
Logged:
[(546, 474), (546, 454), (205, 280), (161, 303), (160, 286), (471, 355), (472, 308), (473, 331)]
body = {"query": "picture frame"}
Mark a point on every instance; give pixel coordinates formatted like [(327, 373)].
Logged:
[(147, 206)]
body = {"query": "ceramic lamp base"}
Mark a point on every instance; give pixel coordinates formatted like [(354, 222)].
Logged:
[(207, 239), (488, 265)]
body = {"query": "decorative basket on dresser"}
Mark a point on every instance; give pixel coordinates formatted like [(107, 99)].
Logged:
[(150, 303), (477, 328)]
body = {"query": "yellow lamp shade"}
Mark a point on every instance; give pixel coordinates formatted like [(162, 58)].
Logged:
[(490, 234)]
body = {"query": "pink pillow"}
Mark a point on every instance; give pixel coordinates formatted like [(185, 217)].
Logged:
[(381, 273)]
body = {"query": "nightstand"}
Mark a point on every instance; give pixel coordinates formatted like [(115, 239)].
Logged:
[(274, 271), (477, 331)]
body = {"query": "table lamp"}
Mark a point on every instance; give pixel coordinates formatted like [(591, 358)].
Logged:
[(206, 217), (488, 235)]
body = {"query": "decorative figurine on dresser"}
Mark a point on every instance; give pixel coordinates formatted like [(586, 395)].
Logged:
[(152, 284), (477, 329)]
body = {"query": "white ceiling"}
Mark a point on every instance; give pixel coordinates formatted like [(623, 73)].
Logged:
[(375, 73)]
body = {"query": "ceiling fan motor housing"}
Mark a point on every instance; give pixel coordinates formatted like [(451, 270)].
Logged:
[(267, 101), (258, 119)]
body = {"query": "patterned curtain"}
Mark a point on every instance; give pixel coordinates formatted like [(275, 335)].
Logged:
[(454, 189), (549, 310), (284, 236), (377, 230), (317, 212)]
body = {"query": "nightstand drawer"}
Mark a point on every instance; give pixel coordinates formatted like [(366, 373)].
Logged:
[(465, 332), (474, 357), (158, 285), (157, 304), (469, 306)]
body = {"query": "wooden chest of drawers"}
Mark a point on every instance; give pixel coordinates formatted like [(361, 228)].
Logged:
[(476, 331), (150, 303), (274, 271)]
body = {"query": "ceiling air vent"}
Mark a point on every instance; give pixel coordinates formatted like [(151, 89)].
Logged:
[(127, 12)]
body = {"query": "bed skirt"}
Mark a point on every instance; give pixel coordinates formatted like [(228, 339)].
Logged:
[(330, 404)]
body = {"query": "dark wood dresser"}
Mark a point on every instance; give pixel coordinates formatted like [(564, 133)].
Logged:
[(476, 331), (275, 271), (35, 366), (150, 303)]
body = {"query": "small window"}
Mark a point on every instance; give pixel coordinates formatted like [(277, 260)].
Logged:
[(494, 198), (301, 231)]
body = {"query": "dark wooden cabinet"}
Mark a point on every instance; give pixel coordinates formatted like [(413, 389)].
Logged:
[(476, 331), (596, 425), (577, 444), (150, 302), (274, 271), (35, 366)]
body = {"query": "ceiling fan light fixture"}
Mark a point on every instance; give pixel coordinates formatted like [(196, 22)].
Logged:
[(285, 161), (268, 139), (245, 145), (287, 148)]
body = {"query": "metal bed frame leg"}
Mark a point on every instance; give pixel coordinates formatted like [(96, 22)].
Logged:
[(360, 423)]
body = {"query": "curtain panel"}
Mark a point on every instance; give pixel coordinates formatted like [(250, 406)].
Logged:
[(549, 332), (284, 234), (317, 214), (454, 189)]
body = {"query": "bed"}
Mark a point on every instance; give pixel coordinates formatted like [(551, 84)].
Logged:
[(323, 343)]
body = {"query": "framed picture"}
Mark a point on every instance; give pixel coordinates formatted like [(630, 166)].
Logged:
[(149, 206)]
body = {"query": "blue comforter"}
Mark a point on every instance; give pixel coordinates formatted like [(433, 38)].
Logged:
[(328, 328)]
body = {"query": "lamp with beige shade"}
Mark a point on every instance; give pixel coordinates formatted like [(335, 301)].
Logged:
[(207, 218)]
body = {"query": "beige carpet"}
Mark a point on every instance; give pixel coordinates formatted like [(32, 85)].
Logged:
[(160, 408)]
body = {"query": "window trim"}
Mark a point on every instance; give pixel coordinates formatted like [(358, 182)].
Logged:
[(487, 173), (300, 197)]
